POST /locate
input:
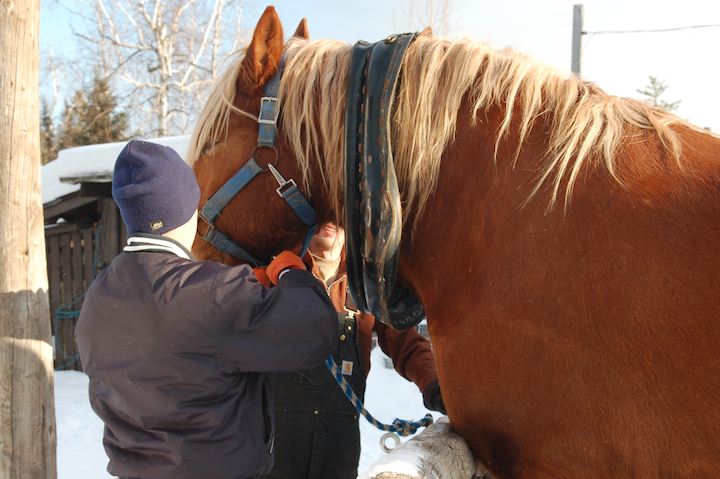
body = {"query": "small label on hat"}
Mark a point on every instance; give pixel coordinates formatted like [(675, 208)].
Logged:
[(156, 225)]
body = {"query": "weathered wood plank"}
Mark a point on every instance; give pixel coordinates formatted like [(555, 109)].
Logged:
[(53, 264), (68, 204), (77, 291), (76, 267), (88, 254), (27, 405), (64, 326), (109, 241)]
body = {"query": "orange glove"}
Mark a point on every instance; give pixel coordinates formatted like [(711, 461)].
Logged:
[(283, 261), (262, 276)]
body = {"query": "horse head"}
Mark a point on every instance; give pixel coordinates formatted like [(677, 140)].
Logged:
[(257, 219)]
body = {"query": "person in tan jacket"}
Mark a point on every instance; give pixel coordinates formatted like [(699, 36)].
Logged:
[(317, 427)]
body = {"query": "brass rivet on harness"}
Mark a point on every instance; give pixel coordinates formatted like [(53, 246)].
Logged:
[(267, 128)]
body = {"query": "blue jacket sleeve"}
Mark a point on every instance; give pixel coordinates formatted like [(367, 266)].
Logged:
[(289, 327)]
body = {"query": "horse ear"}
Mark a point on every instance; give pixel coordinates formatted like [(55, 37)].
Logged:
[(426, 33), (264, 52), (302, 30)]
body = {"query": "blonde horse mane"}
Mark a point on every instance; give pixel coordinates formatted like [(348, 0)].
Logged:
[(586, 122)]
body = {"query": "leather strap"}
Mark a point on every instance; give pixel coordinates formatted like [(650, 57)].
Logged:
[(380, 198), (372, 201), (269, 110), (354, 124), (227, 192)]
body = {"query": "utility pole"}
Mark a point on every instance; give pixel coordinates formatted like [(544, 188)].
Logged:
[(27, 404), (577, 39)]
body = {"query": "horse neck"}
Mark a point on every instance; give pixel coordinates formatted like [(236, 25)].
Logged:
[(471, 167)]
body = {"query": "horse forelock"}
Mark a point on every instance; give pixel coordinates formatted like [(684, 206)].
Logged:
[(313, 98), (585, 122)]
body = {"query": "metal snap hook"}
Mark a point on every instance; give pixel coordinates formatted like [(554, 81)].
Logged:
[(389, 435), (281, 181)]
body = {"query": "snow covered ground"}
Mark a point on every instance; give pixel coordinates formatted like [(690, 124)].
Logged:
[(81, 455)]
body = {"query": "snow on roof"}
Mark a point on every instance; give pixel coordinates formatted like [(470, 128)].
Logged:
[(63, 175)]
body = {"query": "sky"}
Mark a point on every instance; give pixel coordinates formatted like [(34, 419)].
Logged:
[(620, 63), (80, 454)]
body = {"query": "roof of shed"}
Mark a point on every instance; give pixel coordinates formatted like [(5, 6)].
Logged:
[(92, 163)]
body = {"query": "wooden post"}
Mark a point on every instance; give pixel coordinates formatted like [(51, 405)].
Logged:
[(577, 39), (27, 406)]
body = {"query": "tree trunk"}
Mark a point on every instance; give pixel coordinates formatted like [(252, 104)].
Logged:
[(27, 410)]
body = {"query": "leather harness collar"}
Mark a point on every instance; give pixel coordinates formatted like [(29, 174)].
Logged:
[(373, 216), (288, 190)]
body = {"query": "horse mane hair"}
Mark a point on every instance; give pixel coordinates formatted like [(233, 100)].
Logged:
[(587, 124), (213, 122)]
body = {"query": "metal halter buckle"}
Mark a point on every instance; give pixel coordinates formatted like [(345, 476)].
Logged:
[(268, 105), (281, 181)]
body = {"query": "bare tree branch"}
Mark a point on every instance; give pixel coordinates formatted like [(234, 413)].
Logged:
[(419, 14), (165, 52)]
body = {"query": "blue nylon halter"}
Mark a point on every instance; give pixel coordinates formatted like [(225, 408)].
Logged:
[(288, 190)]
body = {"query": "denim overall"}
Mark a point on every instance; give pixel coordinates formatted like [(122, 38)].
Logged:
[(317, 432)]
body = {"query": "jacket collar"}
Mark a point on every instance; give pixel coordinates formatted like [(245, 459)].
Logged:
[(137, 242)]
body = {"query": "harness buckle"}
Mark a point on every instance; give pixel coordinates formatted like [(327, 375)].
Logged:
[(269, 111), (282, 186), (281, 181)]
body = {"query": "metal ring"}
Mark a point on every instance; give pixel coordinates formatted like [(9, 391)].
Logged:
[(277, 155), (386, 436)]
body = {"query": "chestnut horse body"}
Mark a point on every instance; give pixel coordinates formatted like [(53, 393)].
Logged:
[(571, 286)]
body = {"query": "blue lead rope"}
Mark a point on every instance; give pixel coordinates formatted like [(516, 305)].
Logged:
[(399, 426)]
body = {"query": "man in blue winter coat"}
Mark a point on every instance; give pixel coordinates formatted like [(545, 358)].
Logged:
[(177, 350)]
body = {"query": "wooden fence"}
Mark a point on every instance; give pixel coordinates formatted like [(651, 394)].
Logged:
[(75, 254)]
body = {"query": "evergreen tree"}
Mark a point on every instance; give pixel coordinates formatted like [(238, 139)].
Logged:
[(104, 123), (71, 129), (92, 118), (48, 148), (653, 92)]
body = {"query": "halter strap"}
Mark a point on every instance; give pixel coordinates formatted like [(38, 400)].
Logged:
[(269, 110), (267, 121), (227, 192)]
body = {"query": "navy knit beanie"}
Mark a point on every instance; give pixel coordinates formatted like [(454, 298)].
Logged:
[(154, 188)]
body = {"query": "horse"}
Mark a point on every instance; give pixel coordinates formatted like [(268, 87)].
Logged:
[(565, 243)]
